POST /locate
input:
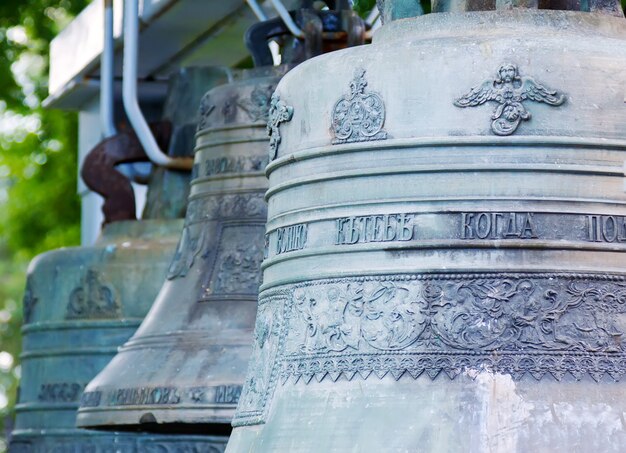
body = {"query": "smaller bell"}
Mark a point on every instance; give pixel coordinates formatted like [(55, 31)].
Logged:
[(82, 303), (187, 361)]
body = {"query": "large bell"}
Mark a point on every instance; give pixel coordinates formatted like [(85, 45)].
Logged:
[(82, 303), (185, 366), (446, 267)]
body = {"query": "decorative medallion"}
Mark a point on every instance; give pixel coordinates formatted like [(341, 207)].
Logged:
[(279, 112), (258, 105), (509, 90), (93, 298), (358, 116), (436, 325)]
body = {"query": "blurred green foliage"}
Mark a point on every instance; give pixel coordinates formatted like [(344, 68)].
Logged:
[(39, 208)]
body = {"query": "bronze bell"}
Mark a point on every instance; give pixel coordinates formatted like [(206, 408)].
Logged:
[(82, 303), (185, 366), (187, 361), (447, 239)]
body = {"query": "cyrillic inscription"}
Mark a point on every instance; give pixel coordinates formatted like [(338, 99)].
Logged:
[(241, 164), (375, 228), (227, 394), (291, 238), (91, 399), (63, 392), (498, 225), (144, 396), (606, 228), (149, 396)]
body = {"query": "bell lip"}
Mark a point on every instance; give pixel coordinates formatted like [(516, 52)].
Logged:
[(459, 24), (127, 419)]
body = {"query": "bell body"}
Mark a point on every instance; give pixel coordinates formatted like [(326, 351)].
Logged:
[(187, 362), (81, 303), (447, 237)]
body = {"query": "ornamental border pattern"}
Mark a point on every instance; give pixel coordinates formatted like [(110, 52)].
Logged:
[(571, 302)]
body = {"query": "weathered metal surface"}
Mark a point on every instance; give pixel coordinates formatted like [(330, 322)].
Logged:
[(186, 363), (445, 265), (609, 7), (80, 305)]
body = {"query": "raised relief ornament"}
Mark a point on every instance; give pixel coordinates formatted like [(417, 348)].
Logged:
[(205, 110), (358, 116), (279, 113), (258, 104), (509, 90), (93, 298)]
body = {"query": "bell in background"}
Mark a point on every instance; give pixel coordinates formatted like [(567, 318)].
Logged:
[(82, 303), (447, 241), (184, 368), (187, 361)]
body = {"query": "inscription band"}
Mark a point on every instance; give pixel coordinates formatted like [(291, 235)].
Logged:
[(416, 228)]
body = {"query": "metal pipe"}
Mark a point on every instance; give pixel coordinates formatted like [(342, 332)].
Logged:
[(286, 17), (129, 93), (107, 122), (257, 10), (373, 16), (373, 20)]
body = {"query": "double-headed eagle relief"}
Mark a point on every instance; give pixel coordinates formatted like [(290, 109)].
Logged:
[(509, 90)]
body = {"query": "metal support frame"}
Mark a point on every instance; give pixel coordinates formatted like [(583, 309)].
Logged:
[(107, 122), (129, 93), (257, 10), (286, 17)]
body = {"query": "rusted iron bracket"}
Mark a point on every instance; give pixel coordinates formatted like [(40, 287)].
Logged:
[(100, 175)]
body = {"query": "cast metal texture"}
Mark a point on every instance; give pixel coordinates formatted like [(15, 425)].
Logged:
[(82, 303), (607, 7), (187, 361), (460, 285)]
